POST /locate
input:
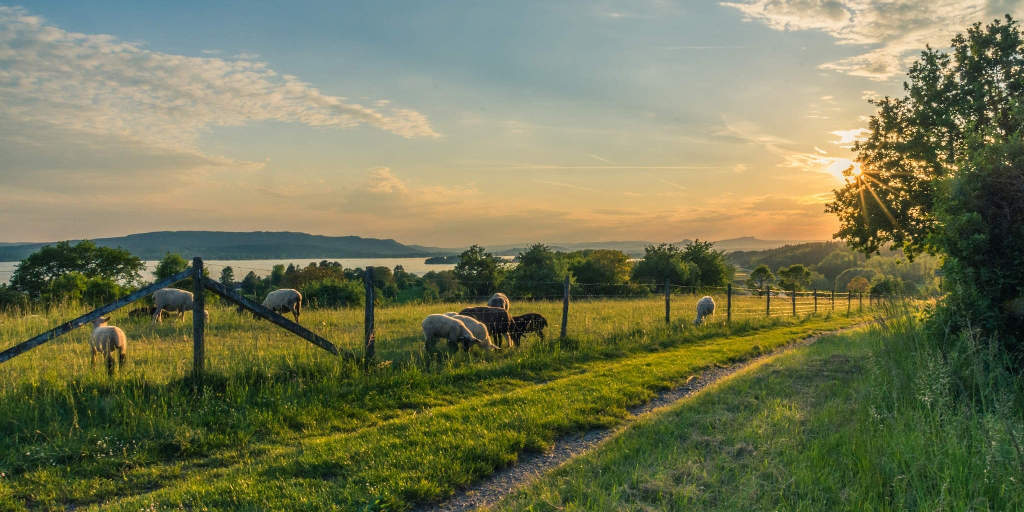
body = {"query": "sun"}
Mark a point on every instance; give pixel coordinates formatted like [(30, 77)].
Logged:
[(855, 170)]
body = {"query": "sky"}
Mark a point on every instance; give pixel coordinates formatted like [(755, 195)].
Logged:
[(447, 123)]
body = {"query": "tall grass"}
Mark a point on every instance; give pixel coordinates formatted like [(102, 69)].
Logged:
[(880, 420)]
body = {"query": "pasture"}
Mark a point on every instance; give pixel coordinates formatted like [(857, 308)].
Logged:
[(279, 423)]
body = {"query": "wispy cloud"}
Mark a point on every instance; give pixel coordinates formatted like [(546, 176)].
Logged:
[(99, 85), (897, 28)]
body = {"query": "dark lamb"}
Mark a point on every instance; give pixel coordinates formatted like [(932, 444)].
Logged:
[(530, 322), (497, 320)]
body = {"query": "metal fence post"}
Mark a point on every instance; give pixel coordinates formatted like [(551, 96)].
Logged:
[(668, 300), (768, 301), (565, 305), (728, 303), (198, 318), (369, 338)]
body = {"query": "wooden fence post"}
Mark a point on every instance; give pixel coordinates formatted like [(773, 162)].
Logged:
[(768, 301), (369, 338), (565, 305), (849, 299), (793, 292), (668, 300), (833, 298), (815, 301), (860, 302), (728, 303), (198, 318)]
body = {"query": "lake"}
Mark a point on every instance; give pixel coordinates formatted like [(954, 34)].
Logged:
[(263, 267)]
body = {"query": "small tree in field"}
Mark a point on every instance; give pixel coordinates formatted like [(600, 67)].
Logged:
[(664, 261), (479, 271), (857, 285), (36, 273), (227, 277), (760, 278), (795, 277)]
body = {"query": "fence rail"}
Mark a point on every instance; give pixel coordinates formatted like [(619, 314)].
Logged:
[(798, 303)]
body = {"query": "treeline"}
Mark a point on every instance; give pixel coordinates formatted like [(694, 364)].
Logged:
[(833, 265), (85, 273)]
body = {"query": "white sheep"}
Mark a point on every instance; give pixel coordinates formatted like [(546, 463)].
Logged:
[(476, 327), (452, 329), (105, 340), (499, 300), (172, 299), (283, 301), (705, 307)]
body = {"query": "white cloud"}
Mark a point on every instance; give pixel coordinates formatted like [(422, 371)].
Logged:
[(848, 137), (898, 28), (101, 87)]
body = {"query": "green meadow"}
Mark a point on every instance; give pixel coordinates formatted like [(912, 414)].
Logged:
[(277, 423)]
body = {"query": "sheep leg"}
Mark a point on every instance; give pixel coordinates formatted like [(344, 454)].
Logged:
[(508, 337), (92, 360), (121, 357), (297, 311), (110, 363), (541, 334), (158, 317)]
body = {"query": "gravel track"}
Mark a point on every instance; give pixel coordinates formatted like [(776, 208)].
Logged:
[(530, 466)]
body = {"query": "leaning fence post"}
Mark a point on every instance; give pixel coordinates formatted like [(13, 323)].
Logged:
[(565, 305), (668, 300), (728, 303), (369, 337), (198, 317), (768, 301)]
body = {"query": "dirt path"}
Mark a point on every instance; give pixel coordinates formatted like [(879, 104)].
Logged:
[(533, 465)]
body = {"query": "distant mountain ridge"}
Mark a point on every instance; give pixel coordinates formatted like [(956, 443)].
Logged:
[(232, 245)]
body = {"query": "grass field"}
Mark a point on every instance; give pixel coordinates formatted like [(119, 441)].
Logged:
[(278, 423), (867, 421)]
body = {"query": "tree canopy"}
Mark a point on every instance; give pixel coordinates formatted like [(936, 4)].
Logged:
[(36, 273), (955, 103)]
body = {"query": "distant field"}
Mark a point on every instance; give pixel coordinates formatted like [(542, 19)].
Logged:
[(71, 436)]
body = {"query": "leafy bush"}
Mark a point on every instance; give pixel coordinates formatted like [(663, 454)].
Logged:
[(332, 293)]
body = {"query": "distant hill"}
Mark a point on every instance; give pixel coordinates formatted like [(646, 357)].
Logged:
[(227, 245), (635, 248)]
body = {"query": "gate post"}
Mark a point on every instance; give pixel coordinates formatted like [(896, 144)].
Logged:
[(369, 338), (198, 318)]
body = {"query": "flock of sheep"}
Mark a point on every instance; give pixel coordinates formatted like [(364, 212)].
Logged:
[(475, 325), (107, 339), (471, 326)]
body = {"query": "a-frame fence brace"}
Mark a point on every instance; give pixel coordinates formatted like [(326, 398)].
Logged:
[(201, 283)]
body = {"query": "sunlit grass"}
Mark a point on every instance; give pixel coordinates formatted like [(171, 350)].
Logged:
[(73, 435)]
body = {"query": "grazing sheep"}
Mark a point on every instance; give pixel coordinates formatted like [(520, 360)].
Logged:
[(475, 326), (284, 300), (705, 307), (172, 299), (499, 300), (452, 329), (105, 340), (497, 320), (144, 311), (530, 322)]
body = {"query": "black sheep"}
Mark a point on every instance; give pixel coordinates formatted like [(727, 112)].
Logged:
[(497, 320), (530, 322)]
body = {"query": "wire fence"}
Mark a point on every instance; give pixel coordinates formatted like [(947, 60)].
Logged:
[(592, 312)]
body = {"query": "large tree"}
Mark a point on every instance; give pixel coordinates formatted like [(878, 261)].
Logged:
[(712, 269), (942, 170), (955, 103), (36, 272), (479, 271)]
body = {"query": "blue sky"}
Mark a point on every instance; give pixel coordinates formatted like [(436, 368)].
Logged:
[(446, 123)]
